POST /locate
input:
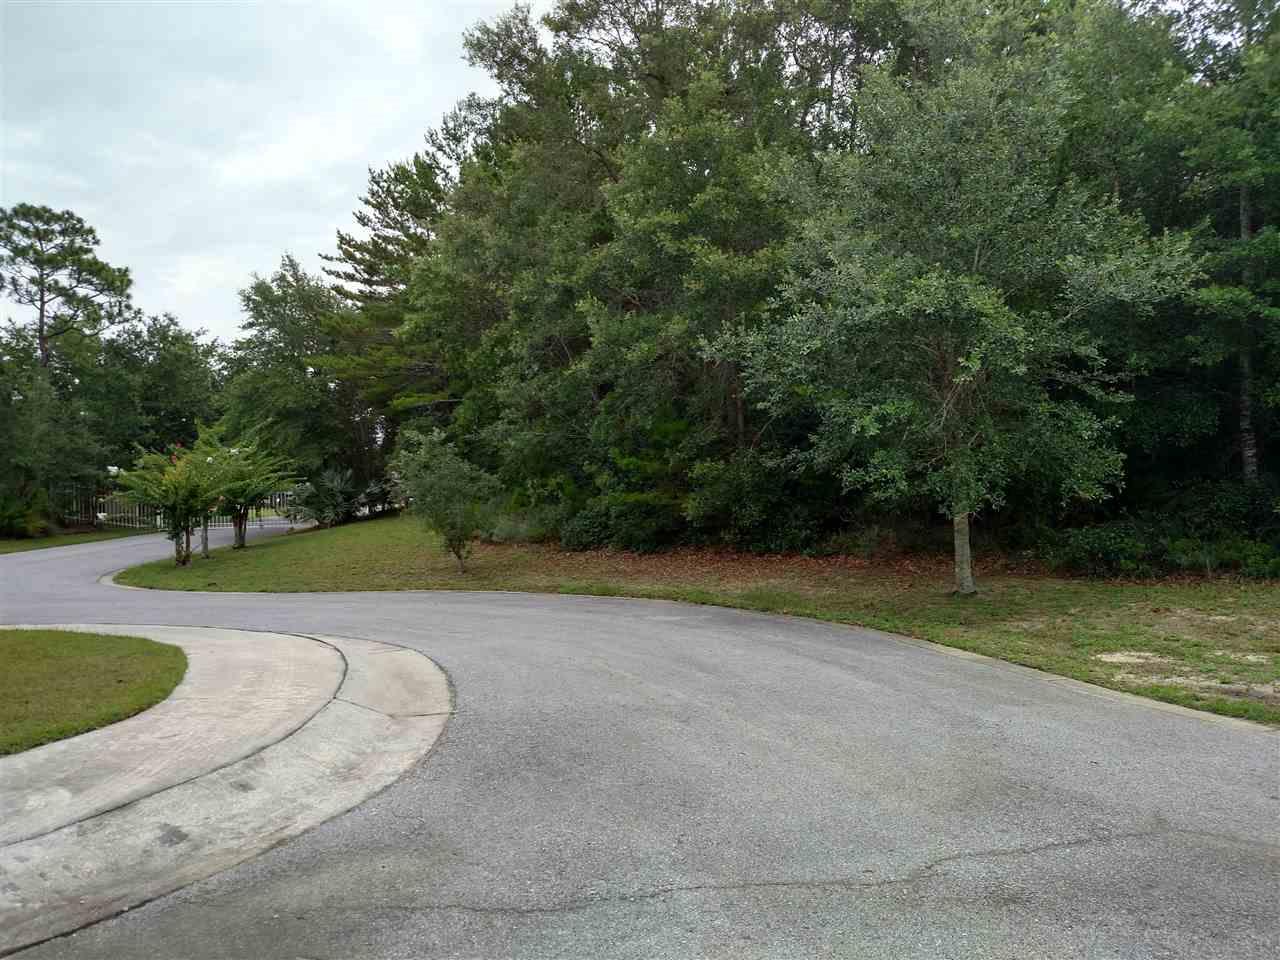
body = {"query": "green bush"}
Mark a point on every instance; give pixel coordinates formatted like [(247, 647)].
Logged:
[(752, 503), (330, 498), (529, 525), (643, 522), (1192, 553), (1222, 510), (1104, 550), (1253, 558), (452, 497), (1133, 548), (24, 517)]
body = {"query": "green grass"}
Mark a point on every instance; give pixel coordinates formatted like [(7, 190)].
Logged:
[(65, 539), (57, 683), (1210, 644)]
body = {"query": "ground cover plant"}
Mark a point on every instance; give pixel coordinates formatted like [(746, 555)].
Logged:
[(58, 683), (1209, 643)]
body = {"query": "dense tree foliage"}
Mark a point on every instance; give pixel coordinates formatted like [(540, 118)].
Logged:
[(91, 401), (762, 272), (758, 270)]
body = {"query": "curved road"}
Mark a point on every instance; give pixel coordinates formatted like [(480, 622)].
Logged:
[(646, 779)]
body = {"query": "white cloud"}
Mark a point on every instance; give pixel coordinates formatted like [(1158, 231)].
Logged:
[(205, 140)]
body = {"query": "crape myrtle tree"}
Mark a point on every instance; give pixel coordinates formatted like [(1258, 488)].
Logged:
[(936, 313), (178, 484), (48, 264), (242, 475)]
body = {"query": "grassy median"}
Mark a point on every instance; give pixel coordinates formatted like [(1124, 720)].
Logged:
[(1213, 644), (57, 683)]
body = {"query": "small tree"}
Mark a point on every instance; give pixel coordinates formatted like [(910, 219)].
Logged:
[(452, 497), (180, 486), (242, 476)]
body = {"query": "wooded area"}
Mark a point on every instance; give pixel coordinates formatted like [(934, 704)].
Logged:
[(786, 275)]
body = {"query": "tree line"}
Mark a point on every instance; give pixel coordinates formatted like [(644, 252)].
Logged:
[(803, 274)]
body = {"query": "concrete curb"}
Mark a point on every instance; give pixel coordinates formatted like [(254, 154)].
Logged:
[(383, 717), (241, 693)]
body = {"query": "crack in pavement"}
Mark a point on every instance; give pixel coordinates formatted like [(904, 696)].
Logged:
[(839, 883)]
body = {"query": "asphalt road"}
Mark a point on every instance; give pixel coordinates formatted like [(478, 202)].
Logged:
[(645, 779)]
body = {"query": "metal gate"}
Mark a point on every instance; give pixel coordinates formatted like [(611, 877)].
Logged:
[(86, 507)]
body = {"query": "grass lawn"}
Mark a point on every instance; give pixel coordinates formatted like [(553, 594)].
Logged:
[(65, 539), (1212, 644), (57, 683)]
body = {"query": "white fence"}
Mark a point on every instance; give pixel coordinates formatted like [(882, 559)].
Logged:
[(78, 506)]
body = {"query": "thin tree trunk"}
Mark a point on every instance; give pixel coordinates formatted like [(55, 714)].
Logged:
[(1248, 436), (964, 559), (239, 521), (1246, 212), (204, 537), (42, 328), (740, 412)]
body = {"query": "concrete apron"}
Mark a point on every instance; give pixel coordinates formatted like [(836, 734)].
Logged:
[(266, 736)]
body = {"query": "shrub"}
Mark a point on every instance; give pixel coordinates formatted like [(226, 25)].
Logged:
[(588, 528), (1221, 510), (643, 522), (530, 525), (1253, 558), (330, 498), (1103, 550), (24, 516), (1192, 553), (450, 496), (1129, 548), (751, 502)]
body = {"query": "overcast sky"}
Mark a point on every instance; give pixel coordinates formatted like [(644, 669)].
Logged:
[(203, 140)]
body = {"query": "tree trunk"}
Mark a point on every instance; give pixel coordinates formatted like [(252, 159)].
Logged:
[(964, 559), (204, 537), (739, 408), (239, 522), (1246, 212), (182, 547), (42, 327), (1248, 437)]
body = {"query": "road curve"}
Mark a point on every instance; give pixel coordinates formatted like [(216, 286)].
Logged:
[(647, 779)]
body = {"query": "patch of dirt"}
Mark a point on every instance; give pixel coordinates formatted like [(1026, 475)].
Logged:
[(1130, 656), (1268, 693), (1244, 657)]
